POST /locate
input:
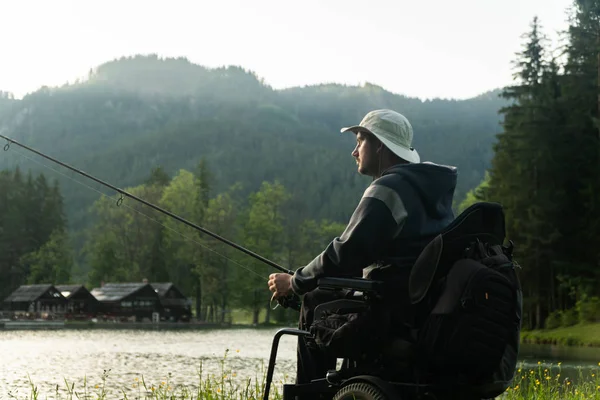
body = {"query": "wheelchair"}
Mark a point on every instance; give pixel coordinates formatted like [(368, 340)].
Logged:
[(394, 373)]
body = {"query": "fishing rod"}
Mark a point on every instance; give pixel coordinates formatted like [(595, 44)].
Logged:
[(284, 302)]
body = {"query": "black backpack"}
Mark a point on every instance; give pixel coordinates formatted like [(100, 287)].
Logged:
[(469, 299)]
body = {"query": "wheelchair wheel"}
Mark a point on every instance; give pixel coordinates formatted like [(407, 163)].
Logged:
[(360, 391)]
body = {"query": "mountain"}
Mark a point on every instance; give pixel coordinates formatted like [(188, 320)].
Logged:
[(135, 113)]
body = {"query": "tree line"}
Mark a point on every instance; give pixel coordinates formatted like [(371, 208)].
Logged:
[(34, 242), (546, 171), (134, 113), (130, 241)]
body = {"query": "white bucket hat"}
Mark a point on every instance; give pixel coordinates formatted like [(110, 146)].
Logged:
[(394, 131)]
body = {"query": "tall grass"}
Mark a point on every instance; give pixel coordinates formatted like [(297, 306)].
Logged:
[(546, 382), (224, 386)]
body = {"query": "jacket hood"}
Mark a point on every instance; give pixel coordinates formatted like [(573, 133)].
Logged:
[(433, 183)]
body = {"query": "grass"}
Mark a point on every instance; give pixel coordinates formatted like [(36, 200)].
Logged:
[(545, 382), (548, 383), (244, 317), (239, 316), (577, 335), (225, 386)]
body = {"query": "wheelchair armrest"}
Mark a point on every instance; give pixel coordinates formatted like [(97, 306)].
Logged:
[(341, 306), (359, 284)]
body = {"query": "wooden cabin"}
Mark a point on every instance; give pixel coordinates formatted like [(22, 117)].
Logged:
[(127, 300), (39, 301), (176, 306), (80, 302)]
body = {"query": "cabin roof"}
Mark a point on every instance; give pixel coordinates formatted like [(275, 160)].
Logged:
[(162, 287), (28, 293), (69, 290), (116, 291)]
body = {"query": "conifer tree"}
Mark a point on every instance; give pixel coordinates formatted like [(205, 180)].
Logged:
[(582, 96), (519, 177)]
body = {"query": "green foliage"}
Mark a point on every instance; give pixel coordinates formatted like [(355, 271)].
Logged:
[(133, 242), (178, 196), (546, 169), (264, 233), (549, 382), (475, 195), (128, 235), (298, 183), (568, 318), (544, 381), (224, 276), (523, 178), (554, 320), (575, 335), (158, 176), (588, 310), (52, 262), (34, 243), (140, 112), (225, 385)]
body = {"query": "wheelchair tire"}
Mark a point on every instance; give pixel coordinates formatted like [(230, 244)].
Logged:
[(360, 391)]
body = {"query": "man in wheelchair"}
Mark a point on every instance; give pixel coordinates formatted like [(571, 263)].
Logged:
[(383, 295), (406, 204)]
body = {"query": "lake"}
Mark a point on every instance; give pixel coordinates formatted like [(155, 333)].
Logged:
[(50, 356)]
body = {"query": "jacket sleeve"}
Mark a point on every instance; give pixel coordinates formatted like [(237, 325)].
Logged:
[(378, 218)]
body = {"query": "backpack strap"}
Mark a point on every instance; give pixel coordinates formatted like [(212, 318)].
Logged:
[(424, 270)]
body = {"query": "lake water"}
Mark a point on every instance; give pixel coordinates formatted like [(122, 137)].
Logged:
[(50, 356)]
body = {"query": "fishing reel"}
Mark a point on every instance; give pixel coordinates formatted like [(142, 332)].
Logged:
[(291, 301)]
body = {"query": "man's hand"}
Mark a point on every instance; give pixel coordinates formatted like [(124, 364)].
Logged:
[(280, 285)]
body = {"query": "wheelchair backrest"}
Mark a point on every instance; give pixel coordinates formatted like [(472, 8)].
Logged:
[(483, 221)]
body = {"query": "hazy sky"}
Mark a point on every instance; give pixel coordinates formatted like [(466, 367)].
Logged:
[(423, 48)]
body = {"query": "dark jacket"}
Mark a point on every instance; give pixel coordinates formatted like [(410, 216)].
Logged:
[(396, 217)]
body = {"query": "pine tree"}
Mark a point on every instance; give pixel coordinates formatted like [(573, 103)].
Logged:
[(582, 96), (158, 176), (34, 245), (203, 189), (521, 176)]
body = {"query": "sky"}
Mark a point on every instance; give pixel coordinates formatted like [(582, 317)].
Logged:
[(427, 49)]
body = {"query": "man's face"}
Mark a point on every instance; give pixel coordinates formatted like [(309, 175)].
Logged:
[(365, 154)]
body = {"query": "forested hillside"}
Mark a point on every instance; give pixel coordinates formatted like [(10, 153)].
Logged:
[(277, 174), (136, 113), (269, 168)]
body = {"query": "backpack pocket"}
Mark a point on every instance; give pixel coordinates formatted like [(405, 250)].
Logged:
[(469, 327)]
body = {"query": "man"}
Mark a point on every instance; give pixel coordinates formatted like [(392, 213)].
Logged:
[(404, 207)]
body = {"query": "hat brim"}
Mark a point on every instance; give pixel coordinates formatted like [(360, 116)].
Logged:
[(412, 156)]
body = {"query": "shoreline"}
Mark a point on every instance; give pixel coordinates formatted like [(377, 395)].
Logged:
[(11, 325), (580, 335)]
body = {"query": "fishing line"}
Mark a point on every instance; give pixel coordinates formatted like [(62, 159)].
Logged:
[(120, 203), (291, 300), (170, 214)]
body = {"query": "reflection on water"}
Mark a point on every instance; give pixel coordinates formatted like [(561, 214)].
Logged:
[(563, 363), (50, 356), (586, 357)]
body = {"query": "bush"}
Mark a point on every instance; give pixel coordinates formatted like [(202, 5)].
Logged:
[(554, 320), (568, 317), (588, 310)]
